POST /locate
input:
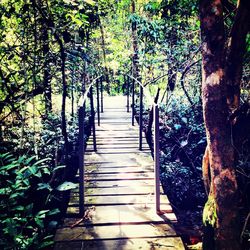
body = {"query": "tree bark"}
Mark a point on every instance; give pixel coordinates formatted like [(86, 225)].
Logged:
[(235, 53), (171, 79), (184, 72), (46, 73), (45, 52), (104, 55), (63, 110), (221, 209), (50, 24), (135, 60)]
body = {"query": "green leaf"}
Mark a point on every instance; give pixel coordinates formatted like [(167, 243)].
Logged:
[(46, 170), (30, 159), (33, 170), (42, 186), (21, 159), (54, 211), (38, 174), (18, 208), (183, 143), (10, 226), (26, 182), (7, 157), (46, 244), (5, 191), (201, 141), (4, 173), (59, 167), (9, 166), (21, 170), (184, 119), (16, 195), (177, 126), (67, 186), (42, 213), (39, 222), (91, 2), (41, 161)]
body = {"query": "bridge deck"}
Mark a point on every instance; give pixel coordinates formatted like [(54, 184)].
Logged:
[(119, 193)]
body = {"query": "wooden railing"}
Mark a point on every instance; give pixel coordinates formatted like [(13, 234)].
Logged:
[(82, 112), (99, 100), (145, 92)]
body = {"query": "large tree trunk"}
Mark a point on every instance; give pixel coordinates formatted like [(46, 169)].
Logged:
[(221, 209)]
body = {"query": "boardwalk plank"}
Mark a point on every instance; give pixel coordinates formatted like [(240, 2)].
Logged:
[(112, 232), (125, 244), (123, 214), (119, 193)]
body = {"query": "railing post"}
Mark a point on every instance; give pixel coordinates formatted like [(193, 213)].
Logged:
[(102, 94), (156, 158), (92, 116), (133, 102), (127, 85), (98, 103), (141, 118), (81, 160)]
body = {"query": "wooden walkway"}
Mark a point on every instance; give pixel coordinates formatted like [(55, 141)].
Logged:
[(119, 193)]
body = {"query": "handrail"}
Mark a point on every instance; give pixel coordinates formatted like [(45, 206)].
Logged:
[(81, 149), (143, 91), (156, 134), (156, 157), (85, 95), (147, 94), (141, 107)]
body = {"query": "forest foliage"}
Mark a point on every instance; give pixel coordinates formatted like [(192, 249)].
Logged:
[(49, 53)]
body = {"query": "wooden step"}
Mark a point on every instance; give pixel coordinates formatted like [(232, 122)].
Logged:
[(165, 243), (120, 214), (113, 232), (119, 176)]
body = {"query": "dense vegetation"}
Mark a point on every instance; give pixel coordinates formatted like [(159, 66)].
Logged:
[(43, 60), (51, 50)]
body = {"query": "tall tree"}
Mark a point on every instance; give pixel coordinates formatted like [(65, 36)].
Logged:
[(135, 59), (104, 53), (46, 71), (222, 71)]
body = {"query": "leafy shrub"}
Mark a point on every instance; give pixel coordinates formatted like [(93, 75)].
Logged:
[(182, 145), (30, 189), (51, 141), (23, 222)]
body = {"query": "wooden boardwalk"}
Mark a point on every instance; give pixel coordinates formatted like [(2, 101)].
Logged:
[(119, 193)]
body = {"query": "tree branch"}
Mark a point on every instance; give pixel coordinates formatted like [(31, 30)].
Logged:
[(235, 53), (184, 72)]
